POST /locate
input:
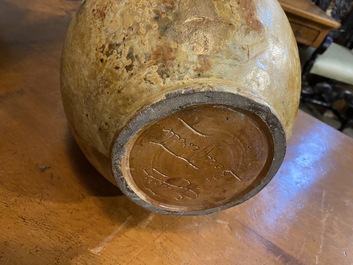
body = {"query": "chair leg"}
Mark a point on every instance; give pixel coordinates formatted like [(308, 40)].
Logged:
[(348, 114), (320, 95), (343, 125)]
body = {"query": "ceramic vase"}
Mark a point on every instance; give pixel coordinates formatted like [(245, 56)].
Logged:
[(185, 105)]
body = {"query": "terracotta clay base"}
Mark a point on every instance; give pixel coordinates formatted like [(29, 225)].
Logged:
[(197, 153)]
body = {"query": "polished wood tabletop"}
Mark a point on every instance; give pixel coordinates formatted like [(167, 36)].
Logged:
[(56, 209)]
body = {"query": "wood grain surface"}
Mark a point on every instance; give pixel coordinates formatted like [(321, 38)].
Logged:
[(56, 209)]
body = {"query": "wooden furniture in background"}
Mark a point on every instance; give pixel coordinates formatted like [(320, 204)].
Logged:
[(56, 209), (309, 23), (327, 75)]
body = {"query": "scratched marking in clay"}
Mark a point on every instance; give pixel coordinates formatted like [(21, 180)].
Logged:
[(160, 173), (174, 154), (192, 129), (182, 190)]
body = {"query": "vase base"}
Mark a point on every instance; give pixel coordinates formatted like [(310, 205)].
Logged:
[(198, 153)]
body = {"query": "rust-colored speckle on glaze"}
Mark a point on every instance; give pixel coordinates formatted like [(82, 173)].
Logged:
[(163, 53), (121, 57), (249, 11), (98, 13), (204, 64)]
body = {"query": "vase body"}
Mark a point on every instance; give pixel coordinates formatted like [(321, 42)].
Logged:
[(185, 105)]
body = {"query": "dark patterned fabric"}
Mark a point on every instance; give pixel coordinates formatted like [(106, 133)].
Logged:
[(339, 7), (323, 4)]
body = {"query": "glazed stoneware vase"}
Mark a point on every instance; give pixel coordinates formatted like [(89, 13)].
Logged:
[(185, 105)]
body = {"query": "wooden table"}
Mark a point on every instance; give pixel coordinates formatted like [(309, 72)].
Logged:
[(309, 23), (56, 209)]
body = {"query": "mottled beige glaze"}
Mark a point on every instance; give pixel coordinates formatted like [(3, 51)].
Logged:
[(121, 56)]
